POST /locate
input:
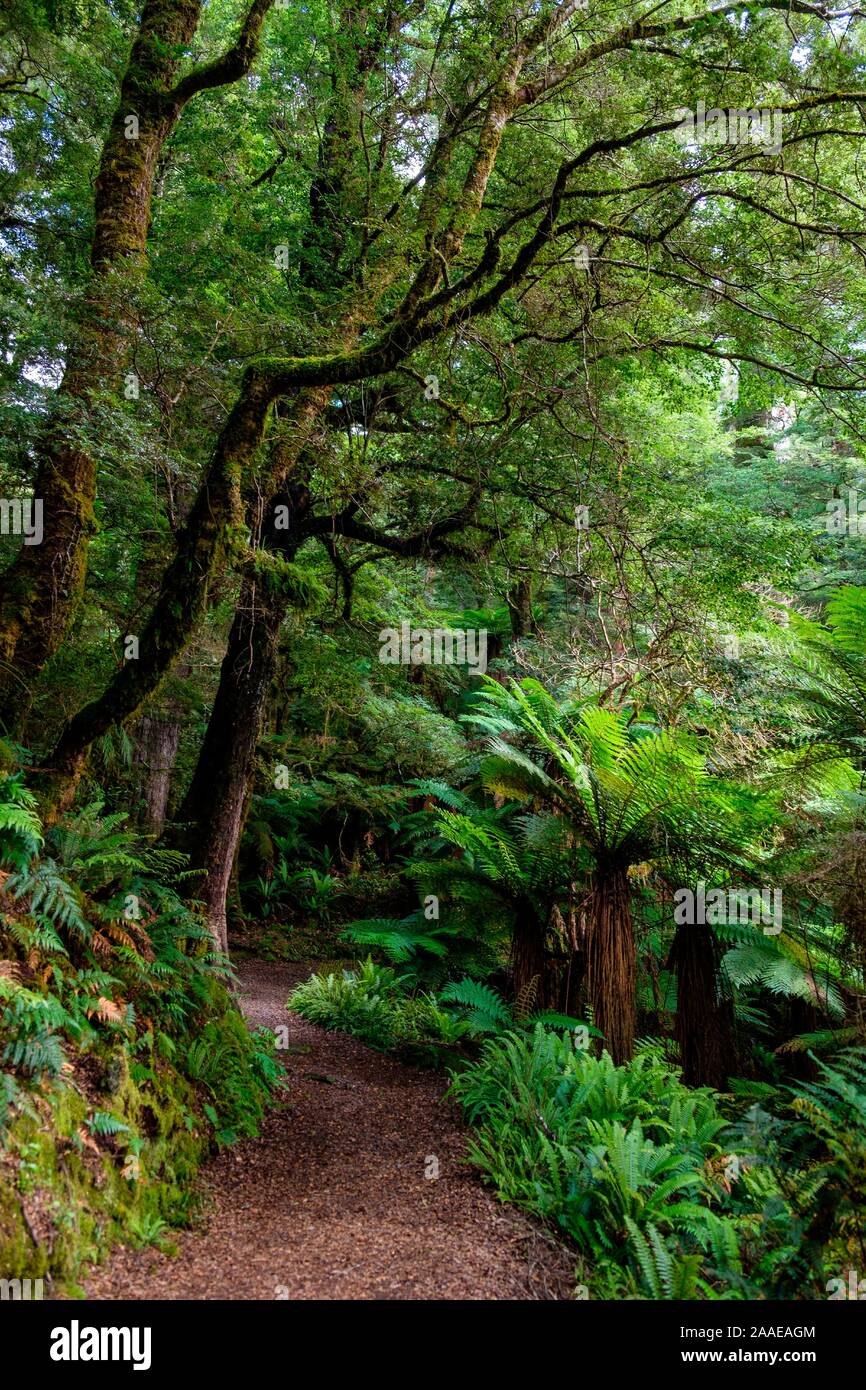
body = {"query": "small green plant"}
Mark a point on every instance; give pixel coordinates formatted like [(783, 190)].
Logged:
[(104, 1124), (308, 889), (239, 1070), (147, 1228), (319, 890), (372, 1003)]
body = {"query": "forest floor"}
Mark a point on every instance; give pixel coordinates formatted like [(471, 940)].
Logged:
[(331, 1200)]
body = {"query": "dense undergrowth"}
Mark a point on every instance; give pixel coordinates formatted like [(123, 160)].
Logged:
[(662, 1190), (433, 500), (124, 1059), (717, 1147)]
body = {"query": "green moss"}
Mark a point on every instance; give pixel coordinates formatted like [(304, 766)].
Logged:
[(284, 581), (68, 1193)]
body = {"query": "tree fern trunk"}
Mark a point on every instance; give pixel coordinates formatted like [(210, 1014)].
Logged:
[(611, 966), (704, 1025), (528, 961)]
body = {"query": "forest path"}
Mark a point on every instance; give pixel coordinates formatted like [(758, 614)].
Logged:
[(331, 1200)]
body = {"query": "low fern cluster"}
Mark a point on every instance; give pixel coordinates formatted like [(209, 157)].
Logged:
[(372, 1003), (803, 1190), (238, 1071), (621, 1158), (100, 956), (661, 1193), (384, 1010), (119, 1045)]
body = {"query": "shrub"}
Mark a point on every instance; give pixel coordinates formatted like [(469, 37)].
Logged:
[(803, 1185)]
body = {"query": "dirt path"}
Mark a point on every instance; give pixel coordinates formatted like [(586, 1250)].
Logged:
[(331, 1201)]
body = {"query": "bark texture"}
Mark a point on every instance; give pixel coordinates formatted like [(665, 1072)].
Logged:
[(611, 961), (519, 601), (529, 960), (705, 1020), (157, 745), (214, 804)]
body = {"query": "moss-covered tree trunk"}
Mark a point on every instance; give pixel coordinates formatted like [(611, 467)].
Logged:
[(519, 601), (309, 381), (214, 804), (215, 523), (611, 962), (40, 590)]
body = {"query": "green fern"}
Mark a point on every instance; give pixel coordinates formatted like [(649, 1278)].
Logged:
[(103, 1123), (20, 828), (52, 897), (401, 940), (664, 1275), (482, 1008)]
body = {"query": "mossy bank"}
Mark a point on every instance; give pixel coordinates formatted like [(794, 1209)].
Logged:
[(124, 1060), (108, 1151)]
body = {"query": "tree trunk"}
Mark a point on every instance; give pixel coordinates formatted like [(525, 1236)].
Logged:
[(41, 588), (158, 741), (519, 601), (705, 1020), (528, 961), (184, 590), (611, 963), (308, 381), (214, 803), (746, 442)]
